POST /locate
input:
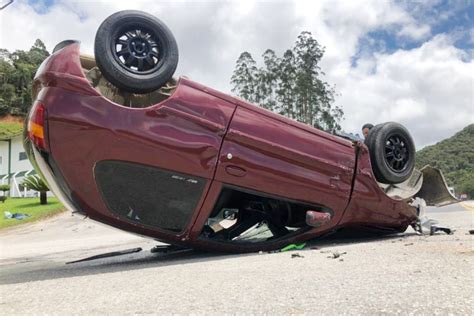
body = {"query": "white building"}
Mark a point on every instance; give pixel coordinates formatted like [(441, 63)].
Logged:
[(14, 164)]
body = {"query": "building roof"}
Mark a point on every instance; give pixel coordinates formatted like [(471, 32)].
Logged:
[(9, 130), (19, 174)]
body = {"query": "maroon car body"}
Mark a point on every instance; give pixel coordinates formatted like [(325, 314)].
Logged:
[(161, 171)]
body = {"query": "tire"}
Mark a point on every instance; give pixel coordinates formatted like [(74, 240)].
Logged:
[(135, 51), (370, 137), (392, 152)]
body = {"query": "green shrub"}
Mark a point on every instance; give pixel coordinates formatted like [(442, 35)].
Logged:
[(17, 112), (4, 109), (4, 188), (36, 183)]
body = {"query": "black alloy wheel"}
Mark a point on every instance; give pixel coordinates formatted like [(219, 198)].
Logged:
[(135, 51), (392, 152)]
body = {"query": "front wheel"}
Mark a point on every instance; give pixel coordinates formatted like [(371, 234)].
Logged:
[(392, 152)]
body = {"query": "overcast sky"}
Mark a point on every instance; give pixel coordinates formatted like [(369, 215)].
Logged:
[(404, 61)]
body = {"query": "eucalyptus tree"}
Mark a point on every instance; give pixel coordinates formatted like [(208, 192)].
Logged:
[(292, 85)]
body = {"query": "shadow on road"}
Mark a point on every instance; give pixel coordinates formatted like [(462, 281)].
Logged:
[(40, 270)]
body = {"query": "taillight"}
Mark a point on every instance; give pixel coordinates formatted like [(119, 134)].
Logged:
[(36, 126)]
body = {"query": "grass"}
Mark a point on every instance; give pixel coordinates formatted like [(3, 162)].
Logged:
[(29, 206), (10, 129)]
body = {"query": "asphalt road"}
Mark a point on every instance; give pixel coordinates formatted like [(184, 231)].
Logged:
[(405, 274)]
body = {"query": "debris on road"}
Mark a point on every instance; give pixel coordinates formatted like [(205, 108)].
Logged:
[(471, 232), (18, 216), (293, 247), (296, 255), (107, 255), (167, 249), (425, 225), (435, 229), (336, 254)]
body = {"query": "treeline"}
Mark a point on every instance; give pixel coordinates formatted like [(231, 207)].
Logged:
[(290, 85), (455, 157), (17, 70)]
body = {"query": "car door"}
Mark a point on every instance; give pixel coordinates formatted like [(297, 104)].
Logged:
[(268, 153)]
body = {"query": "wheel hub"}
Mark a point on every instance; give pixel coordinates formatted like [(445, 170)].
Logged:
[(396, 153), (137, 50), (139, 47)]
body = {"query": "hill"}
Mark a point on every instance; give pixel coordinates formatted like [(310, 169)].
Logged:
[(455, 157)]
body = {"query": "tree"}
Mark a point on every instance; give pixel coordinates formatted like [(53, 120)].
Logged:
[(466, 185), (38, 53), (291, 85), (267, 78), (36, 183), (286, 87), (307, 53), (17, 70), (244, 78), (8, 93)]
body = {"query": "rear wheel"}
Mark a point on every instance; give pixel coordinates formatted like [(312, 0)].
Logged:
[(392, 152), (135, 51)]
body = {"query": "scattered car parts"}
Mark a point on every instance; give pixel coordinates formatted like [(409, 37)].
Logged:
[(446, 230)]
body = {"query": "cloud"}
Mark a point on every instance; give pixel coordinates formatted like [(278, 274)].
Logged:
[(417, 84), (429, 89), (414, 31)]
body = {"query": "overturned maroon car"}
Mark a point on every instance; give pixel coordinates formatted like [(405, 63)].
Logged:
[(122, 142)]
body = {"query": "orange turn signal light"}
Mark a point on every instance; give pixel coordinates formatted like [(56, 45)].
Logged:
[(36, 123)]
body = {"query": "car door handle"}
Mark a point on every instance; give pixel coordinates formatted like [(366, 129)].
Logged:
[(235, 171)]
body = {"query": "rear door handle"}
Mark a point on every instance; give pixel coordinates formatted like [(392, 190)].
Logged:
[(235, 171)]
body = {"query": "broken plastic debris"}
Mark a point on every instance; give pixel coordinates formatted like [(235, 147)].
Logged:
[(337, 254), (435, 229), (293, 247), (425, 225), (167, 249)]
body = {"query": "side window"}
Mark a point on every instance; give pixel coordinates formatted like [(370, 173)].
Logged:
[(23, 156)]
